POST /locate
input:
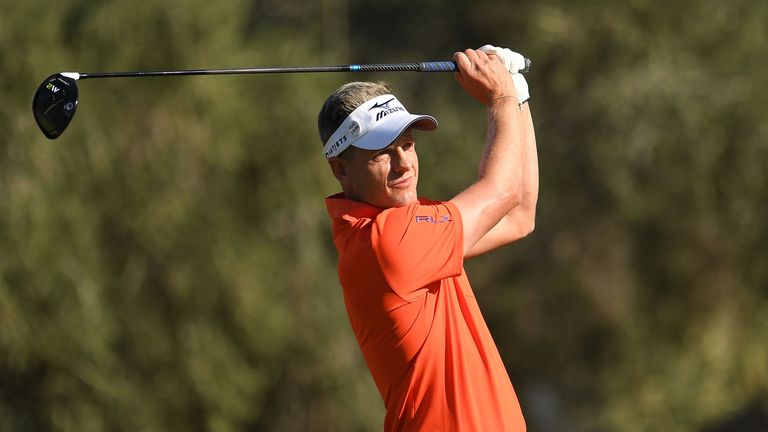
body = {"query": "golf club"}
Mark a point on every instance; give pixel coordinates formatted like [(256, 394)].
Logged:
[(55, 101)]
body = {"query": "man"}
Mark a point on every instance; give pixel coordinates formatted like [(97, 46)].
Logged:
[(409, 302)]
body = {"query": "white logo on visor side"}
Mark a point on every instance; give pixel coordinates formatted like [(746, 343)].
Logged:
[(354, 129)]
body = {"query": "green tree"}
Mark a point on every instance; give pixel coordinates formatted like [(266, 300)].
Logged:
[(167, 265)]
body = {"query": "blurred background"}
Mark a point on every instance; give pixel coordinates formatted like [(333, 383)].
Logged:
[(167, 265)]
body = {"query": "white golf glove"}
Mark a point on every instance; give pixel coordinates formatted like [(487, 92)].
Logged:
[(514, 62)]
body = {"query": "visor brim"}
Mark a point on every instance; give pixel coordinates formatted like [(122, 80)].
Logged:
[(390, 129)]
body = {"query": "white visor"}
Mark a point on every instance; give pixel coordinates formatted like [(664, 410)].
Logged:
[(374, 125)]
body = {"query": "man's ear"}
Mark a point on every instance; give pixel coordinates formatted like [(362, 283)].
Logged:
[(339, 167)]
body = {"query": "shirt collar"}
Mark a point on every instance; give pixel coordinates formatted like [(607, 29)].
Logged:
[(339, 207)]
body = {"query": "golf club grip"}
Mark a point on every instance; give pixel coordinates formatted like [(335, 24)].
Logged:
[(450, 66), (442, 66), (432, 66), (438, 66)]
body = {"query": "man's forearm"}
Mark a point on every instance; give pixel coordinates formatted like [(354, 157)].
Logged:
[(502, 164), (530, 170), (520, 220)]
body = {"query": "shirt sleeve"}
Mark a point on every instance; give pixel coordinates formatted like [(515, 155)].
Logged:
[(417, 245)]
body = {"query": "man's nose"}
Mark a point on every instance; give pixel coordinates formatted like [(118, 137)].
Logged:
[(400, 161)]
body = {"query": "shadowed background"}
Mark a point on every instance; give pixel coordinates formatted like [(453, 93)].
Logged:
[(166, 265)]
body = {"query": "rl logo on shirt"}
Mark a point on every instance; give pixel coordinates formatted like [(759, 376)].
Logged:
[(432, 220)]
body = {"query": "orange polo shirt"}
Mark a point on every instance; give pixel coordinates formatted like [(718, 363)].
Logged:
[(416, 319)]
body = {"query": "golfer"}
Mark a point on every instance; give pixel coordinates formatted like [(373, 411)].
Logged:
[(401, 257)]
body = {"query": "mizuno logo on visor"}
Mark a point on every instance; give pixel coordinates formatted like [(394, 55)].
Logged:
[(381, 105)]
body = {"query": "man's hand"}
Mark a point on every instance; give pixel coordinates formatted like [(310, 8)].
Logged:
[(483, 77), (514, 62)]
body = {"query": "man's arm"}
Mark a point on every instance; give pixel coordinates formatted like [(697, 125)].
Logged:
[(521, 220), (500, 185)]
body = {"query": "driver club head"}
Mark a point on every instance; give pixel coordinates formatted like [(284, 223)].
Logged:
[(54, 104)]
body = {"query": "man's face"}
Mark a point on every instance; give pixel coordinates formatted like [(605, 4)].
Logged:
[(384, 178)]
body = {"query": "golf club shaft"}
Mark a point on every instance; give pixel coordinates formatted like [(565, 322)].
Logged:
[(395, 67), (434, 66)]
